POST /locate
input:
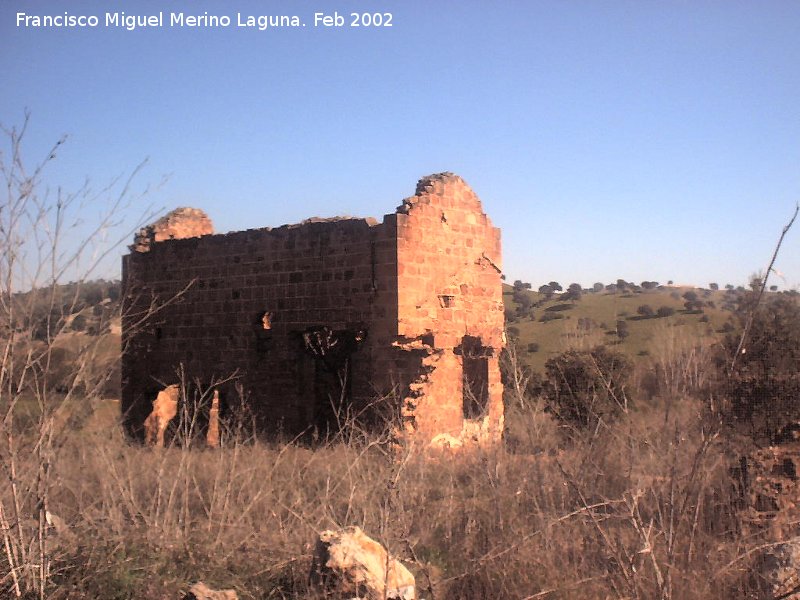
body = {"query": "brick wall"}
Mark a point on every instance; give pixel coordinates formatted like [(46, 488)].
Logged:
[(281, 310), (449, 284)]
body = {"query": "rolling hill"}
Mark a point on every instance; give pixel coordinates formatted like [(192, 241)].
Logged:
[(557, 325)]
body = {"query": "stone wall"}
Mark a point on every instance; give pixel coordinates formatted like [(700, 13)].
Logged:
[(448, 256), (326, 315), (769, 479), (181, 223)]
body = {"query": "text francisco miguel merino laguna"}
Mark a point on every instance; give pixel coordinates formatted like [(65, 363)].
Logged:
[(173, 19)]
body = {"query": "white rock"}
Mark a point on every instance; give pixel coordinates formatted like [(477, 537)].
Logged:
[(351, 562)]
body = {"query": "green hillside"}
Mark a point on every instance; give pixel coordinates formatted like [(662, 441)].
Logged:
[(557, 325)]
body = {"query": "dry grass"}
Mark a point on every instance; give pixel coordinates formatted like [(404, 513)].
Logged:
[(640, 510)]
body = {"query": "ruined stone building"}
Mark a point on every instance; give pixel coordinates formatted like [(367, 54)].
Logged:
[(310, 322)]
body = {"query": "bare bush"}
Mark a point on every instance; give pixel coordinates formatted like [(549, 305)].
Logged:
[(46, 371), (683, 364)]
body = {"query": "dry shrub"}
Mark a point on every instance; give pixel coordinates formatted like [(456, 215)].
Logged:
[(581, 334), (530, 429), (682, 364), (46, 368)]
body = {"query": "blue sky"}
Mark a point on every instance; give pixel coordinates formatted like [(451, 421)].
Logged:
[(618, 139)]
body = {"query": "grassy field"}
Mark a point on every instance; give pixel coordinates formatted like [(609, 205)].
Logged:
[(592, 320)]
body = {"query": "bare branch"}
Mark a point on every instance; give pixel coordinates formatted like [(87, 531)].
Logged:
[(751, 316)]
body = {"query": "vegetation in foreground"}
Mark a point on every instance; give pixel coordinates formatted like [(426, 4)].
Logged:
[(602, 490), (615, 482), (641, 508)]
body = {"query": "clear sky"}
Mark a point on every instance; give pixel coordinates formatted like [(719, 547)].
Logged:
[(655, 140)]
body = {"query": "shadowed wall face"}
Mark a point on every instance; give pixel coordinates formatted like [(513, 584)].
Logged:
[(307, 324)]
